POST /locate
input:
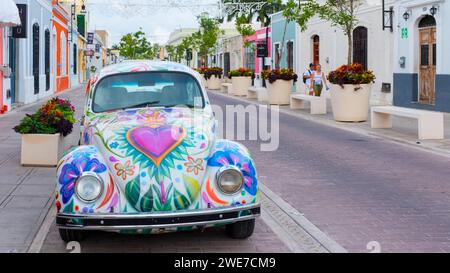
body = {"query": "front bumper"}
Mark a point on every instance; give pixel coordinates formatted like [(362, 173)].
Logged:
[(199, 218)]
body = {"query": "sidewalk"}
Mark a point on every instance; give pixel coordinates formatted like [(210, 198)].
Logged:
[(404, 130), (26, 193)]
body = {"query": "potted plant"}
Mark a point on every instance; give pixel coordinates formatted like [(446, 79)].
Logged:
[(213, 78), (202, 71), (279, 86), (350, 92), (241, 80), (43, 132)]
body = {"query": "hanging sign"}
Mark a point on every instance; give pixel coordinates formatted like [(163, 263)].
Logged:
[(90, 38), (262, 51), (20, 32), (404, 33)]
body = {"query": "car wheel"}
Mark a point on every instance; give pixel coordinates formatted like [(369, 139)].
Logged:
[(70, 235), (241, 230)]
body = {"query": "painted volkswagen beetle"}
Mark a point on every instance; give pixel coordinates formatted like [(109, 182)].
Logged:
[(149, 161)]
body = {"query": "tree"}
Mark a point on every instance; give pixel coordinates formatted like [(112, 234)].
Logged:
[(155, 51), (170, 49), (340, 13), (205, 39), (135, 46)]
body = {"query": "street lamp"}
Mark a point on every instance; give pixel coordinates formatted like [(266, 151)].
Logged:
[(433, 10), (406, 15)]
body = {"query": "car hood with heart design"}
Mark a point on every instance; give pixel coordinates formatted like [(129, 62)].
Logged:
[(160, 154)]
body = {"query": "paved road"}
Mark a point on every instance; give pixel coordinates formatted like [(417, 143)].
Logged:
[(359, 189), (356, 189)]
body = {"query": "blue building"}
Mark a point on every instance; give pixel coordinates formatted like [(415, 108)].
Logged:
[(287, 46)]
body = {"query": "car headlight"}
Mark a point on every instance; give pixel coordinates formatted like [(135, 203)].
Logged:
[(230, 180), (89, 187)]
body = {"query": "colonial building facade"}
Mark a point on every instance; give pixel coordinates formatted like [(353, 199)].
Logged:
[(422, 46), (61, 54), (321, 43), (284, 42), (26, 53)]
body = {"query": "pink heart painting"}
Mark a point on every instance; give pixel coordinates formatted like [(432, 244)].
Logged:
[(156, 143)]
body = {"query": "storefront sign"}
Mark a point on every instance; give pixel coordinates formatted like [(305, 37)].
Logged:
[(20, 32), (97, 48), (261, 50)]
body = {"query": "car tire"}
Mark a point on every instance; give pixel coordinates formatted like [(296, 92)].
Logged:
[(70, 235), (241, 230)]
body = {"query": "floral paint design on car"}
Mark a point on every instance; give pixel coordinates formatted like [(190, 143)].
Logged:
[(153, 160)]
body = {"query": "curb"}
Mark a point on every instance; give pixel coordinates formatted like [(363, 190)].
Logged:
[(324, 240)]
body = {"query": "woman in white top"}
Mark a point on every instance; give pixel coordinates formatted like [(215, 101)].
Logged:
[(318, 80)]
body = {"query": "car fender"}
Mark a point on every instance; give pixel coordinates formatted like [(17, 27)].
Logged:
[(230, 153)]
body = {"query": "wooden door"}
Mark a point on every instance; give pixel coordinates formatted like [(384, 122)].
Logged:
[(316, 50), (427, 49)]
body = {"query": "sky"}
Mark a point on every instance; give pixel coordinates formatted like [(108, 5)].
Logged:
[(158, 18)]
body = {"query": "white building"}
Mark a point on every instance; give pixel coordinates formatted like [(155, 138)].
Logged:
[(176, 38), (28, 56), (422, 54), (96, 62), (373, 47)]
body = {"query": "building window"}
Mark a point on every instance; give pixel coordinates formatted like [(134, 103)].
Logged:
[(290, 55), (47, 59), (277, 56), (36, 39), (316, 49), (360, 46), (63, 62), (427, 21), (250, 57), (75, 59)]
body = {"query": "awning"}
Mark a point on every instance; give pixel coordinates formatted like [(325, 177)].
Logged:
[(9, 14)]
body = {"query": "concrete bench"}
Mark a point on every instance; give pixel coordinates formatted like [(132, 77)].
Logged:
[(431, 124), (259, 93), (226, 88), (318, 105)]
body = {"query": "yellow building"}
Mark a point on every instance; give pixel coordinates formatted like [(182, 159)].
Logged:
[(79, 21), (104, 36)]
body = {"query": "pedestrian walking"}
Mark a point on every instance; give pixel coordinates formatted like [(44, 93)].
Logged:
[(318, 81), (307, 77)]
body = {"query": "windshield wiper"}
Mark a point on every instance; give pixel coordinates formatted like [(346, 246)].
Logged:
[(180, 105), (145, 104)]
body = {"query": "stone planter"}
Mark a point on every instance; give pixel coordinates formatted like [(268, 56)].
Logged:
[(241, 85), (214, 83), (41, 150), (204, 82), (351, 103), (279, 92)]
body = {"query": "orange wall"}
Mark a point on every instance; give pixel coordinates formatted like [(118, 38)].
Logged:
[(62, 82), (1, 73)]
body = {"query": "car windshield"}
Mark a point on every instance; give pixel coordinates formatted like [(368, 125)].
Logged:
[(147, 89)]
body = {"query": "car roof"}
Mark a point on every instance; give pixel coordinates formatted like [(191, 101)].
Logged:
[(142, 66)]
